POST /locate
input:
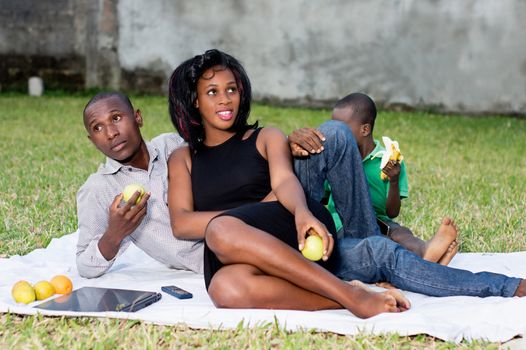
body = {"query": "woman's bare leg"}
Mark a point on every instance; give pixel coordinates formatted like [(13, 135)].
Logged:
[(242, 286), (235, 242)]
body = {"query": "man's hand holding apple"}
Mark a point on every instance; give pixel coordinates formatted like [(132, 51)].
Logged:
[(123, 220)]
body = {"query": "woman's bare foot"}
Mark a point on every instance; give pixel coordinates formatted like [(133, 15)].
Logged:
[(359, 284), (521, 290), (385, 285), (392, 300), (437, 246), (449, 254)]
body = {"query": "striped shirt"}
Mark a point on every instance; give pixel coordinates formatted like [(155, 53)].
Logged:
[(154, 234)]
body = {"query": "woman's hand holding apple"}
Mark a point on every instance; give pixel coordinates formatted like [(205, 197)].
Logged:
[(307, 224)]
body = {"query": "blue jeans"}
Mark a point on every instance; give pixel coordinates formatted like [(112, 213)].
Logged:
[(341, 164), (363, 253), (377, 259)]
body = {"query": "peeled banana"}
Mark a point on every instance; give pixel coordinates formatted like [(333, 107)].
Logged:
[(392, 152)]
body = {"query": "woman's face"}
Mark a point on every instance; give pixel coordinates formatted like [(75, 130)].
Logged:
[(217, 98)]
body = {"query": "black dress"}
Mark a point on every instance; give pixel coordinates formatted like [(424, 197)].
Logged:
[(235, 177)]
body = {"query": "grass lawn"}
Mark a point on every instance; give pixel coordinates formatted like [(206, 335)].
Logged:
[(472, 169)]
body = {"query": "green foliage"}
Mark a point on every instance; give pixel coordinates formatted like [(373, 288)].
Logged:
[(472, 169)]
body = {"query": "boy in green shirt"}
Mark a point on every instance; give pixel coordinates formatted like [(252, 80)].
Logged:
[(358, 111)]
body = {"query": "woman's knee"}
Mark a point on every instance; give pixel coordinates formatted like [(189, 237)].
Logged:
[(218, 233), (226, 291)]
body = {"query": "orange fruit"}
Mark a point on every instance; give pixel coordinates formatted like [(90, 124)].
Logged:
[(62, 284)]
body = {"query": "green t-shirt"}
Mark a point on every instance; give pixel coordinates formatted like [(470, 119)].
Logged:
[(378, 188)]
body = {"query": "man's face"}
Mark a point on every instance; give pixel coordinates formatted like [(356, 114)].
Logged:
[(113, 127)]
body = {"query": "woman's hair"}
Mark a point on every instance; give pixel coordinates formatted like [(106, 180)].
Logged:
[(182, 95)]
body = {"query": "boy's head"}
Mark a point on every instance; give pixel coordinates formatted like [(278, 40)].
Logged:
[(113, 125), (358, 111)]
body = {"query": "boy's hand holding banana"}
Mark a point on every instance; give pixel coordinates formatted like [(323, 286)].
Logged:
[(391, 153)]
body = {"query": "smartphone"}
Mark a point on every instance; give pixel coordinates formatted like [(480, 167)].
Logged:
[(177, 292), (384, 228)]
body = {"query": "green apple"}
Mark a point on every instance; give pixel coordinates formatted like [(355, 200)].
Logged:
[(313, 249), (130, 190)]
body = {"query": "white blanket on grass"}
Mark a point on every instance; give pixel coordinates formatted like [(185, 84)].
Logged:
[(452, 318)]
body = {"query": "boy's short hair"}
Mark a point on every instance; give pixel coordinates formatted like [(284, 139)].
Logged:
[(361, 105), (108, 94)]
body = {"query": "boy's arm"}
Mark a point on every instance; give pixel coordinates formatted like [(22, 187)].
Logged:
[(102, 230), (393, 203)]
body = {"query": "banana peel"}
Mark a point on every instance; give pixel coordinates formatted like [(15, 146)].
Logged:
[(392, 152)]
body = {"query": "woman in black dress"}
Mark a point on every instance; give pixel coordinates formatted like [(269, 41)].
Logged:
[(234, 185)]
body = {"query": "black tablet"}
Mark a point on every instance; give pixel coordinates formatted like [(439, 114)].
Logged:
[(93, 299)]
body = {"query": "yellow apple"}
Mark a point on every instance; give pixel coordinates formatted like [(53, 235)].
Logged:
[(43, 290), (313, 249), (130, 190), (23, 292)]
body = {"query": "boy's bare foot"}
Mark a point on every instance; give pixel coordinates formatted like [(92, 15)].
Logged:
[(449, 254), (521, 290), (437, 246), (392, 300)]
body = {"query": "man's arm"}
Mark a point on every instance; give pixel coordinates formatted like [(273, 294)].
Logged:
[(103, 230), (305, 141), (122, 222)]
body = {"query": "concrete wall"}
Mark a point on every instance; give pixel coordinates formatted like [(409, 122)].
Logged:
[(71, 44), (467, 56), (39, 39)]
